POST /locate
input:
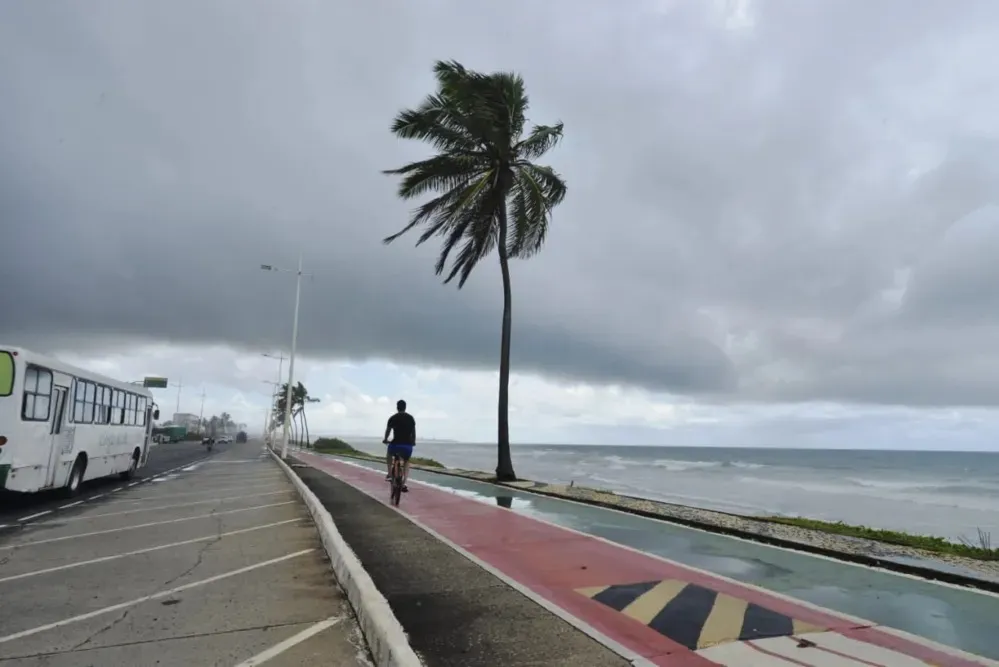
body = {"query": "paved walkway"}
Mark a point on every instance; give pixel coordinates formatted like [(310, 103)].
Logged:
[(455, 613), (216, 563), (648, 608)]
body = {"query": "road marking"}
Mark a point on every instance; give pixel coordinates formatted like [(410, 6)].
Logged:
[(229, 479), (3, 525), (141, 525), (99, 495), (66, 507), (87, 517), (134, 484), (34, 516), (290, 642), (147, 598), (137, 552), (161, 496)]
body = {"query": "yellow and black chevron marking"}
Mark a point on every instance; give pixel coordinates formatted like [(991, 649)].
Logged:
[(694, 616)]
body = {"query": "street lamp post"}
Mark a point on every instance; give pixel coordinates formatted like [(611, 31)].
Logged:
[(269, 417), (270, 409), (291, 359)]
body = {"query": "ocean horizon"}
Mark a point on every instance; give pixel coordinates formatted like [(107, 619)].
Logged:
[(947, 493)]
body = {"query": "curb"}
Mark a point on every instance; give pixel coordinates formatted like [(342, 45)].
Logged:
[(383, 632)]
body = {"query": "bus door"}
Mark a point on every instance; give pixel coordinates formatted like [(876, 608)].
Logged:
[(55, 429), (148, 434)]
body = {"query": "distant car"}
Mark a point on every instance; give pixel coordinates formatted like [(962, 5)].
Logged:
[(225, 439)]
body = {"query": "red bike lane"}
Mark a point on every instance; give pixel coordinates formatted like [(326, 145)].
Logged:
[(662, 611)]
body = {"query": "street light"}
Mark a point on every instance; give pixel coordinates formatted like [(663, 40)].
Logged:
[(294, 342), (280, 358), (269, 414)]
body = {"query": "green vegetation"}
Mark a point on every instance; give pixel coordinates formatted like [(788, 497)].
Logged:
[(334, 446), (982, 550), (341, 448), (490, 193)]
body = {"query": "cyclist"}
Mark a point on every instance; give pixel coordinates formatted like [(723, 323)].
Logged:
[(403, 429)]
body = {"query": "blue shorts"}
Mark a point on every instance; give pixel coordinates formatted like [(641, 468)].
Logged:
[(402, 451)]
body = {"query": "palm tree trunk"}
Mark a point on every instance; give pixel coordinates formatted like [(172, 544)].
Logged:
[(504, 463), (305, 423)]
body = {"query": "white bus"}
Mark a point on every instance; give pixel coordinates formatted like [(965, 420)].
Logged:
[(61, 425)]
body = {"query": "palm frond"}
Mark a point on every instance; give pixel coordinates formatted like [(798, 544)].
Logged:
[(435, 124), (541, 140), (441, 172), (535, 192)]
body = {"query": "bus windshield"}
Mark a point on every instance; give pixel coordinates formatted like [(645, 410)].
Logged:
[(6, 373)]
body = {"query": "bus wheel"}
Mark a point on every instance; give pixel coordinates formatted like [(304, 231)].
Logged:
[(75, 477), (132, 466)]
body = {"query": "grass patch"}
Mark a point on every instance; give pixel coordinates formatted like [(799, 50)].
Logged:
[(338, 446), (334, 446), (980, 549)]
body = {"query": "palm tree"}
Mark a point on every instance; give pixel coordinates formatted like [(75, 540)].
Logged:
[(225, 420), (299, 423), (489, 192)]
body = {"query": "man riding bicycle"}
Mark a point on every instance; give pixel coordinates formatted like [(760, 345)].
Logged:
[(403, 429)]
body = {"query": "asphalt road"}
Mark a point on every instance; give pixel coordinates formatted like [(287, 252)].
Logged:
[(213, 561), (14, 507)]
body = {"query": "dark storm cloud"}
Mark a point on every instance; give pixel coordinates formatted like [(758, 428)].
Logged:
[(767, 198)]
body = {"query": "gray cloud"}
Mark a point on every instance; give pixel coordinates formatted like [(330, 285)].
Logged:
[(781, 209)]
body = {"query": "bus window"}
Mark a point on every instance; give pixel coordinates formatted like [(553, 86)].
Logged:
[(37, 394), (6, 374)]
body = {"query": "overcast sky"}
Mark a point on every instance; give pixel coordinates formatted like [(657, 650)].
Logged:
[(781, 225)]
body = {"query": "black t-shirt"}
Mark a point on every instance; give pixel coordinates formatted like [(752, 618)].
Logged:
[(403, 428)]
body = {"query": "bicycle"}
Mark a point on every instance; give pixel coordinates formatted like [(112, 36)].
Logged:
[(396, 475)]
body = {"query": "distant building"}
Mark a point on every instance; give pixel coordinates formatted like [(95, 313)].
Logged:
[(186, 419)]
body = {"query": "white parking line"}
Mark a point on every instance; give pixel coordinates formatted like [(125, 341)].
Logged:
[(147, 598), (34, 516), (207, 474), (141, 525), (229, 479), (163, 496), (137, 552), (66, 507), (288, 643), (87, 517)]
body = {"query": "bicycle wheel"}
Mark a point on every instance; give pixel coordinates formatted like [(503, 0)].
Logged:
[(396, 490)]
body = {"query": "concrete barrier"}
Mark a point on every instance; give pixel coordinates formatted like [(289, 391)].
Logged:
[(382, 630)]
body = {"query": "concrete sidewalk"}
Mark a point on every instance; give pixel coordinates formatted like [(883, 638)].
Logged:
[(456, 613), (217, 563)]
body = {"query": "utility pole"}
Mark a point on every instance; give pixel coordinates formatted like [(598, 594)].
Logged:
[(291, 359), (179, 387), (291, 363), (201, 415)]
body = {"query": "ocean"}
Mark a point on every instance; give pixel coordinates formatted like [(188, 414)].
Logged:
[(950, 494)]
